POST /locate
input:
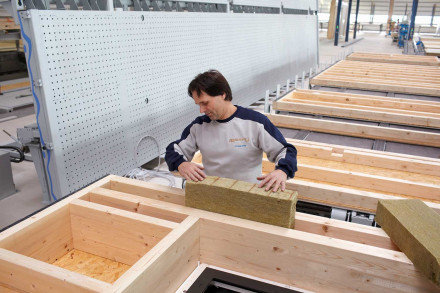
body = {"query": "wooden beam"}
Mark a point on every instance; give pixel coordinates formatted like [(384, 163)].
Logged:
[(167, 265), (160, 192), (133, 206), (357, 130), (332, 21), (342, 196), (394, 58), (374, 183), (364, 157), (372, 114), (115, 234), (390, 15), (410, 105), (304, 222), (306, 260)]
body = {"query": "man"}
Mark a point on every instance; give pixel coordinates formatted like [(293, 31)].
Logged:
[(231, 138)]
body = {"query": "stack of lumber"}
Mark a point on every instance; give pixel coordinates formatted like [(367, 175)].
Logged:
[(362, 107), (431, 45), (354, 178), (8, 24), (8, 46), (386, 77), (395, 58), (161, 242)]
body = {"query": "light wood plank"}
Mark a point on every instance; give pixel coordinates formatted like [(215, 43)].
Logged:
[(364, 157), (167, 265), (131, 186), (134, 206), (375, 183), (306, 260), (367, 100), (115, 234), (375, 114), (357, 130), (394, 58)]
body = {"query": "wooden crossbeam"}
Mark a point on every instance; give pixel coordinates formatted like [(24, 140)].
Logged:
[(309, 101), (427, 191), (423, 80), (365, 157), (357, 130), (394, 58), (367, 100), (303, 222)]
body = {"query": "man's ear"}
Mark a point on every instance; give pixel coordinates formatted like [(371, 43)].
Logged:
[(224, 96)]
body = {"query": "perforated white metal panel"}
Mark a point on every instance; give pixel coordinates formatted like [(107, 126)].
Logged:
[(108, 79)]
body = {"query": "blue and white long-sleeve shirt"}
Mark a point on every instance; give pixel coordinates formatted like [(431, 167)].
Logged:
[(233, 148)]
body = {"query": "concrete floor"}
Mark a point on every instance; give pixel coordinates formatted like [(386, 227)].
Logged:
[(29, 196)]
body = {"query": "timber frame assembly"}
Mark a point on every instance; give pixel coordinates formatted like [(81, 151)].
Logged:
[(146, 228), (386, 77)]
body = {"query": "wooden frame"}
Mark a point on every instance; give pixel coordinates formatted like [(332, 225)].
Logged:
[(386, 77), (357, 130), (431, 46), (363, 107), (394, 58), (291, 257), (355, 179)]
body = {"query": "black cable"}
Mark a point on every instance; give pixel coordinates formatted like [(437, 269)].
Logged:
[(17, 149)]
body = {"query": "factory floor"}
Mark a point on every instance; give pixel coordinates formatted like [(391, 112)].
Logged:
[(28, 197)]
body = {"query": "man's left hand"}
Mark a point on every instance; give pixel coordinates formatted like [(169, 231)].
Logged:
[(275, 178)]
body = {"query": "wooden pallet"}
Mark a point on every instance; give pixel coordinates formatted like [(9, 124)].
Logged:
[(394, 58), (363, 107), (144, 226), (354, 178), (386, 77)]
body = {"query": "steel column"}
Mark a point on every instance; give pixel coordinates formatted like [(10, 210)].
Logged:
[(356, 20), (338, 17), (413, 19), (347, 31)]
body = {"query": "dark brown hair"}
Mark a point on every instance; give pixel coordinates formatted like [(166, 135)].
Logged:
[(211, 82)]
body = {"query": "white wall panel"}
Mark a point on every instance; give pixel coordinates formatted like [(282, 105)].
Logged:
[(110, 78)]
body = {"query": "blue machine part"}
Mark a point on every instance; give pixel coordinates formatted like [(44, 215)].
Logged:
[(403, 32)]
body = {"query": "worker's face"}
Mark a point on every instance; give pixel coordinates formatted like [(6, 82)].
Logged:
[(213, 107)]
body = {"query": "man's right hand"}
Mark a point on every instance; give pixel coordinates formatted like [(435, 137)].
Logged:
[(192, 171)]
